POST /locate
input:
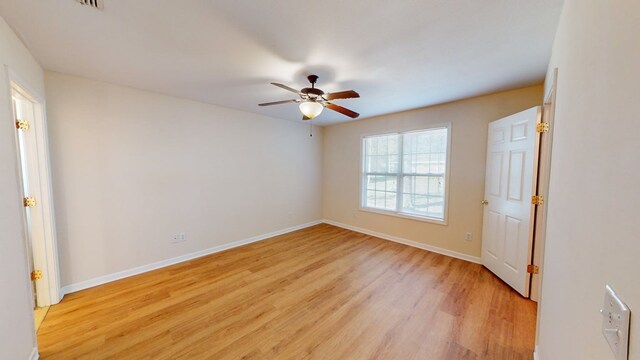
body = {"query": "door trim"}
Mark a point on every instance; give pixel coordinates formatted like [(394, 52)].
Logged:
[(47, 251), (544, 176)]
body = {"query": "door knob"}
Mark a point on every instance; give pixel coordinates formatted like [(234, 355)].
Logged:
[(485, 202)]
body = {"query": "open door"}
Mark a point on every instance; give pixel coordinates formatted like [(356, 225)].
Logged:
[(24, 114), (509, 212), (34, 169)]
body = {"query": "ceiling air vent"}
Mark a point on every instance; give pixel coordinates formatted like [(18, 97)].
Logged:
[(96, 4)]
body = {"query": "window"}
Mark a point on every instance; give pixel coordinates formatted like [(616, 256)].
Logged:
[(406, 173)]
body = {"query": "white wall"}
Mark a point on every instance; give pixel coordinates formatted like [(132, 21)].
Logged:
[(17, 333), (593, 229), (131, 168), (469, 119)]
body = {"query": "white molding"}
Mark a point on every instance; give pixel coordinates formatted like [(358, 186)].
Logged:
[(168, 262), (435, 249), (34, 354), (535, 354)]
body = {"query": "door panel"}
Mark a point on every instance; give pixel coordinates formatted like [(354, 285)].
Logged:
[(511, 232), (519, 131), (516, 181), (512, 155), (495, 173), (492, 228)]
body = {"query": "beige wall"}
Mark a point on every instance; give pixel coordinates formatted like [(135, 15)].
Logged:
[(17, 333), (131, 168), (593, 228), (469, 119)]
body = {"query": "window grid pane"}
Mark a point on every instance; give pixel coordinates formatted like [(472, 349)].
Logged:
[(381, 191), (423, 195), (423, 158)]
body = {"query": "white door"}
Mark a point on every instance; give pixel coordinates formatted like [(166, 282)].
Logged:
[(512, 163), (23, 110)]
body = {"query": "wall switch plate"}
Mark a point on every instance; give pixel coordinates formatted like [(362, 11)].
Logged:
[(616, 317)]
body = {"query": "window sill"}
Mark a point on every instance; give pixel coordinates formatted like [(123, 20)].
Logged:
[(405, 216)]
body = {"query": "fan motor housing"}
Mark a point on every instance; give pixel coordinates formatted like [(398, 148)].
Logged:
[(312, 91)]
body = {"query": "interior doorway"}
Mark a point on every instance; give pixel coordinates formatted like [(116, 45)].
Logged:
[(516, 189), (37, 202)]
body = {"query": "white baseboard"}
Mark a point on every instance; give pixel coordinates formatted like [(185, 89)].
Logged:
[(34, 354), (535, 354), (163, 263), (400, 240)]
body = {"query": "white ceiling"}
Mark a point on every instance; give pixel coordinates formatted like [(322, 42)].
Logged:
[(398, 55)]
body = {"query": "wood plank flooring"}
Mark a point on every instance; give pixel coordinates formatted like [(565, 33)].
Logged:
[(318, 293), (39, 315)]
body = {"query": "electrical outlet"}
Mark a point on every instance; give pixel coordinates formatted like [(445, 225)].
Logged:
[(468, 236), (177, 238)]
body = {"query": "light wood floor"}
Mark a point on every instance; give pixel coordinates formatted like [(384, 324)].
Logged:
[(39, 314), (321, 293)]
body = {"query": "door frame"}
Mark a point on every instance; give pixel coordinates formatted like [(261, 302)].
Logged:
[(45, 251), (544, 176)]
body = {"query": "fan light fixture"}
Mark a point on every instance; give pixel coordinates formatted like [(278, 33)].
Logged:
[(312, 100), (310, 109)]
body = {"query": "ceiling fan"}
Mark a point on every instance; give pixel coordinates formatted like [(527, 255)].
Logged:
[(312, 100)]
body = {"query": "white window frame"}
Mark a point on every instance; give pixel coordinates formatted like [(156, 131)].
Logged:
[(399, 174)]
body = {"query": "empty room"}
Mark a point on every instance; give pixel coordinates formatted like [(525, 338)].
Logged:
[(217, 179)]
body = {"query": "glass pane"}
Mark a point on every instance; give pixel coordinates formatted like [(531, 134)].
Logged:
[(393, 145), (380, 183), (423, 195), (381, 164), (381, 154), (373, 146), (390, 200), (383, 145), (381, 192), (393, 164), (424, 152), (391, 183), (380, 199), (370, 182), (370, 200)]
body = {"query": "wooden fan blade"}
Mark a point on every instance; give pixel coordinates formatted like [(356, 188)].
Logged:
[(278, 102), (288, 88), (341, 110), (349, 94)]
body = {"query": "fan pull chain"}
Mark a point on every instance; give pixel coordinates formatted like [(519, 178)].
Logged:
[(310, 128)]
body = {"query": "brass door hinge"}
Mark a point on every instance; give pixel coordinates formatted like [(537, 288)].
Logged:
[(22, 124), (36, 275), (533, 269), (542, 127), (537, 200), (29, 201)]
